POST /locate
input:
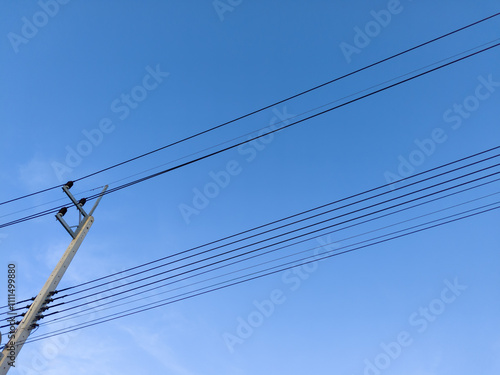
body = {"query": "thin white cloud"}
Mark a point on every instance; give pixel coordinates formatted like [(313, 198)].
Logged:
[(153, 342), (77, 354), (36, 174)]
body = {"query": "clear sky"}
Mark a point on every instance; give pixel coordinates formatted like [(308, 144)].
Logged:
[(87, 84)]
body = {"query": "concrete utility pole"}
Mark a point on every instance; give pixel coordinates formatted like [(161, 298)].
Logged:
[(39, 305)]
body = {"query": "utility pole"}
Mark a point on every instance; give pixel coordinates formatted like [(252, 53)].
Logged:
[(39, 305)]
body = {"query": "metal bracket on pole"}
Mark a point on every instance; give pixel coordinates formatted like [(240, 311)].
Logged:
[(82, 215), (59, 217), (39, 305)]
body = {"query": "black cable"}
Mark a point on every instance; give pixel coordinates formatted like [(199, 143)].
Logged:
[(93, 308), (292, 124), (298, 214), (300, 114), (309, 233), (249, 252), (109, 191), (421, 173), (265, 107), (358, 243), (88, 324), (43, 204), (377, 91), (309, 225), (283, 247), (280, 227), (317, 114), (355, 244), (252, 132), (31, 217), (413, 219), (17, 302)]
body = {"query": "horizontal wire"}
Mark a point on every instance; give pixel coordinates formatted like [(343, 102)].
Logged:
[(289, 232), (89, 324), (239, 255), (307, 250), (94, 309), (260, 129), (268, 106), (110, 191), (154, 175), (46, 203), (295, 215), (307, 211), (305, 112)]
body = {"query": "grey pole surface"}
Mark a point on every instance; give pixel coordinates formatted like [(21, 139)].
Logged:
[(27, 324)]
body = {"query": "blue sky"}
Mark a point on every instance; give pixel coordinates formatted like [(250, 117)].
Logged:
[(198, 64)]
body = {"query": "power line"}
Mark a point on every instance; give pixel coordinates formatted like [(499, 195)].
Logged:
[(252, 132), (334, 107), (52, 201), (109, 191), (302, 113), (295, 123), (296, 222), (305, 212), (69, 316), (355, 244), (303, 262), (265, 107), (223, 260), (308, 211), (248, 252)]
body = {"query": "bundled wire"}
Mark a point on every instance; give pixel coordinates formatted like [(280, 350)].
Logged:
[(157, 174), (275, 269), (433, 40), (206, 268)]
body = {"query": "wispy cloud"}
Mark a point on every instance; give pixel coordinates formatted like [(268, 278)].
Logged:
[(154, 343), (36, 173)]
